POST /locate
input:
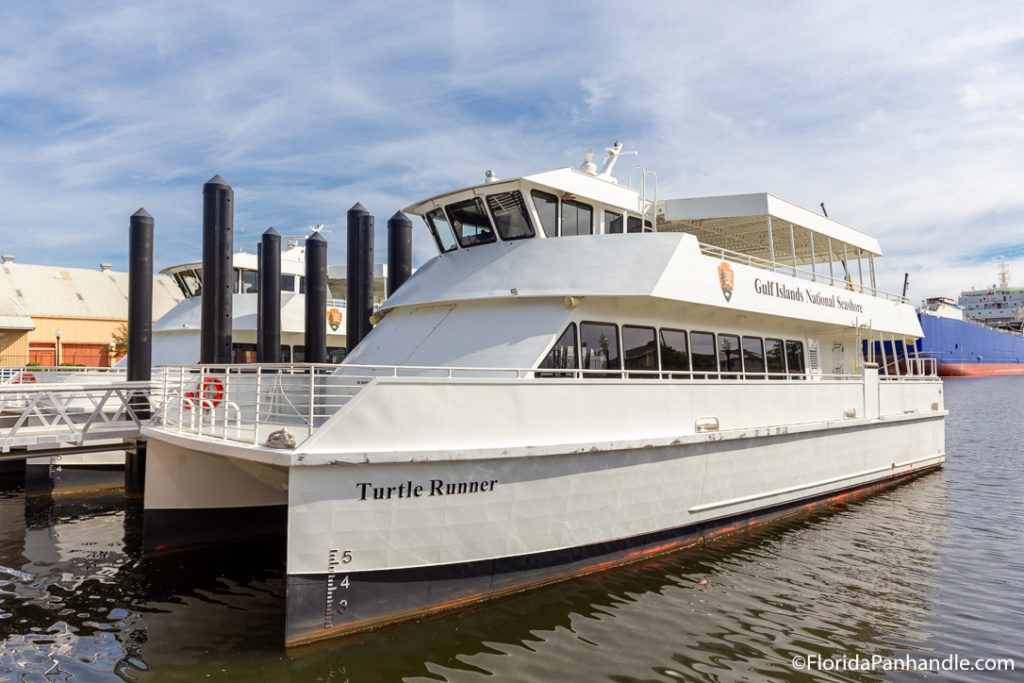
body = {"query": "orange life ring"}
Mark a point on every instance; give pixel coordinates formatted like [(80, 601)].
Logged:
[(26, 377), (208, 395)]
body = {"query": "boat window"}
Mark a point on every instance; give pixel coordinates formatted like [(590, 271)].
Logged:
[(470, 222), (298, 354), (633, 225), (795, 356), (774, 357), (612, 222), (562, 355), (302, 285), (243, 353), (729, 356), (509, 213), (441, 230), (190, 282), (599, 348), (674, 353), (335, 354), (639, 351), (753, 357), (249, 285), (286, 353), (577, 218), (287, 283), (703, 355), (547, 211)]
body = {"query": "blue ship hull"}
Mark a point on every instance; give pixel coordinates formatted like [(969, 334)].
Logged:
[(969, 349)]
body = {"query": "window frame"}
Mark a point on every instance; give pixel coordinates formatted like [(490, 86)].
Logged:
[(534, 195), (611, 371), (474, 241), (675, 373), (532, 231), (704, 374), (428, 218), (638, 372)]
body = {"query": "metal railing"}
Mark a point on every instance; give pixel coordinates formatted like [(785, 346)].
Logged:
[(45, 414), (797, 272), (49, 374), (278, 405)]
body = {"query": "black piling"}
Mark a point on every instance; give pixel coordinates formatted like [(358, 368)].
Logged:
[(140, 337), (365, 275), (352, 284), (218, 286), (316, 299), (268, 317), (399, 251)]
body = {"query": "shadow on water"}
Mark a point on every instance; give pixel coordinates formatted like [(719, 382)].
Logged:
[(928, 568)]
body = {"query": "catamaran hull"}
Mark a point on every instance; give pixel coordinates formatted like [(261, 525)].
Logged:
[(371, 543)]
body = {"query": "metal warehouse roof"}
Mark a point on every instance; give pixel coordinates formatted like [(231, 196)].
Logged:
[(55, 291)]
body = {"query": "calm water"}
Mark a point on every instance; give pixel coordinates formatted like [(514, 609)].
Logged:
[(931, 568)]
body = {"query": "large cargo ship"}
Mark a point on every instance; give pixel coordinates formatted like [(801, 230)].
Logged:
[(964, 347)]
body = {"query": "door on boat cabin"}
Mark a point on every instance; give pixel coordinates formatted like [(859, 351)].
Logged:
[(837, 358)]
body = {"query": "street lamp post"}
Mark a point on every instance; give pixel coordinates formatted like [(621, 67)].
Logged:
[(56, 353)]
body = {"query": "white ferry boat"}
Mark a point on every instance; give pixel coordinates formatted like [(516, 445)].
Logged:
[(584, 376)]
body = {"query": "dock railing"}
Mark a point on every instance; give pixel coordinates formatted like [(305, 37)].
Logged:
[(48, 415)]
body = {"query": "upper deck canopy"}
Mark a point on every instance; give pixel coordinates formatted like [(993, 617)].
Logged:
[(740, 223)]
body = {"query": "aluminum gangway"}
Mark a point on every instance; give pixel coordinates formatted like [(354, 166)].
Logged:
[(76, 415)]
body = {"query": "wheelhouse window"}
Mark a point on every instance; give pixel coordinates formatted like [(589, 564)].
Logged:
[(547, 211), (577, 218), (287, 283), (639, 351), (509, 212), (599, 348), (190, 282), (470, 222), (562, 355), (703, 354), (795, 356), (441, 230), (675, 355), (775, 358), (753, 357), (730, 359), (612, 222)]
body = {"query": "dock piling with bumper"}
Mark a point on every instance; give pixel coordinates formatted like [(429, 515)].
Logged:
[(140, 336), (218, 223)]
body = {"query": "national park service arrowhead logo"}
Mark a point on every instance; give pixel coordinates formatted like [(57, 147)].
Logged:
[(726, 278), (334, 319)]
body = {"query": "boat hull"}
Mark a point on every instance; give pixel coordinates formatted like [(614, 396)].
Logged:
[(318, 604), (551, 518), (966, 349)]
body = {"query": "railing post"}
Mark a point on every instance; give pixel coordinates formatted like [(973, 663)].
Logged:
[(312, 386)]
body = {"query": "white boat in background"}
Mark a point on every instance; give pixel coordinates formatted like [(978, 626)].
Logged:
[(176, 334), (586, 375), (176, 341)]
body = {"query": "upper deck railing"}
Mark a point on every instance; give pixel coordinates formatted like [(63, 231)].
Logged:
[(797, 272)]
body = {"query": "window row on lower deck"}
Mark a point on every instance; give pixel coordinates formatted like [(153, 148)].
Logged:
[(646, 351)]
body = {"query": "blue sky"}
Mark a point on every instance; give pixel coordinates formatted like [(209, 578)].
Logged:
[(906, 119)]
